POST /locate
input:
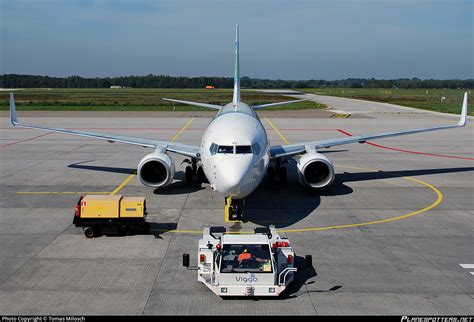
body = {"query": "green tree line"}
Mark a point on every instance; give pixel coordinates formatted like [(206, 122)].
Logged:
[(164, 81)]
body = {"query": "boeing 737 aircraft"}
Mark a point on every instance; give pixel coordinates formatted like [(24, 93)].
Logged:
[(235, 153)]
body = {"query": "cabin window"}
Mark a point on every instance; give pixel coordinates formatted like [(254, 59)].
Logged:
[(229, 149), (213, 148), (243, 149)]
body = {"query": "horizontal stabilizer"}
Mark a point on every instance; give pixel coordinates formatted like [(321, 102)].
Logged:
[(256, 107), (212, 106)]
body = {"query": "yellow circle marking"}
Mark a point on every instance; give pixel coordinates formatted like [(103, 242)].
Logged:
[(438, 200)]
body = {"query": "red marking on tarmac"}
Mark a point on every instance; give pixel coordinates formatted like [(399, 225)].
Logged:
[(30, 139), (344, 132), (409, 151)]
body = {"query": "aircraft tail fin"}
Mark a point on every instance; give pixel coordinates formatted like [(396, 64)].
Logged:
[(13, 118), (236, 97)]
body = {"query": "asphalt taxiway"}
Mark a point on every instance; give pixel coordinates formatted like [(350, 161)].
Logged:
[(392, 235)]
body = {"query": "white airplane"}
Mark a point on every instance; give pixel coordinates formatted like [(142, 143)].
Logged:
[(235, 153)]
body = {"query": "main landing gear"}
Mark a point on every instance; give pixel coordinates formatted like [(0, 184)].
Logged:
[(233, 209), (278, 172), (193, 171)]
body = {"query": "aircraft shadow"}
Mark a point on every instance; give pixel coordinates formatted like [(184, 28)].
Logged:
[(152, 228), (179, 187), (80, 165)]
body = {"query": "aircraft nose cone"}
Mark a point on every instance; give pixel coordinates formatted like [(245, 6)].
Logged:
[(232, 174)]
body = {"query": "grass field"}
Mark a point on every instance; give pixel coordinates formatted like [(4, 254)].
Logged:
[(427, 99), (136, 99)]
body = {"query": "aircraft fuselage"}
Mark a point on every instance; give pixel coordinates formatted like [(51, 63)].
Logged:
[(235, 151)]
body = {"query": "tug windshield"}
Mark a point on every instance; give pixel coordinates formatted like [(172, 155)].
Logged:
[(246, 258)]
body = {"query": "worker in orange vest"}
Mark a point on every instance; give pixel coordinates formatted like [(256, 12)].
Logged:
[(245, 255)]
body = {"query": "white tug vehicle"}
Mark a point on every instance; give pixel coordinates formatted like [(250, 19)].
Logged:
[(245, 264)]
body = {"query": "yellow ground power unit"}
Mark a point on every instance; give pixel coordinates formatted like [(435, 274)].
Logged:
[(100, 214)]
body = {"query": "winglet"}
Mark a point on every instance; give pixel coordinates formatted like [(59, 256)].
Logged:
[(463, 119), (13, 119)]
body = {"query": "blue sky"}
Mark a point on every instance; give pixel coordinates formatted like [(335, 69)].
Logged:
[(298, 39)]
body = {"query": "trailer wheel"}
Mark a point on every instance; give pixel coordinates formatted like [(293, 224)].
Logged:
[(90, 232)]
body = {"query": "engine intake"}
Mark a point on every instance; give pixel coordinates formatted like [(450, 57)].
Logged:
[(156, 170), (315, 170)]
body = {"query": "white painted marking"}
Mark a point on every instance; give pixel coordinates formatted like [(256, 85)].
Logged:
[(467, 266), (472, 273)]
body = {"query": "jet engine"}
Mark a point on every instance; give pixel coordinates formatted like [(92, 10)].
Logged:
[(315, 170), (156, 170)]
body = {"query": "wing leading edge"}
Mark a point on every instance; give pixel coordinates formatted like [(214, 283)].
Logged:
[(187, 150), (297, 148)]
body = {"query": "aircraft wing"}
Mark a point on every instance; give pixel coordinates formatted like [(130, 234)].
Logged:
[(187, 150), (280, 151)]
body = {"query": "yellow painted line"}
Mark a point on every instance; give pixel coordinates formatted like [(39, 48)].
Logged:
[(130, 177), (182, 129), (276, 130), (62, 192), (180, 231)]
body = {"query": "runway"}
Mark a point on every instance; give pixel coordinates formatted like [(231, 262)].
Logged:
[(392, 235)]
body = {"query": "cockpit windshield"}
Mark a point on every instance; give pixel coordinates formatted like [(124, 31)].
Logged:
[(225, 149), (246, 258), (241, 149)]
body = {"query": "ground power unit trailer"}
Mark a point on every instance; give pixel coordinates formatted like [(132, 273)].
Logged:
[(245, 264), (98, 214)]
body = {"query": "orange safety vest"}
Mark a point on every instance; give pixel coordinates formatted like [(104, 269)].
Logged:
[(244, 256)]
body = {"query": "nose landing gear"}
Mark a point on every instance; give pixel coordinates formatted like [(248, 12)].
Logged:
[(278, 172), (193, 171), (233, 209)]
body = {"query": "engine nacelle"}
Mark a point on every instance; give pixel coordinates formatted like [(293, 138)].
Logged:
[(156, 170), (315, 170)]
